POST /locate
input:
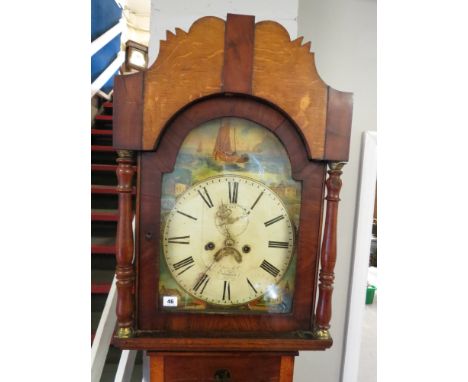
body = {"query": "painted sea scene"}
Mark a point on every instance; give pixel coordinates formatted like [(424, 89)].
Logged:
[(231, 146)]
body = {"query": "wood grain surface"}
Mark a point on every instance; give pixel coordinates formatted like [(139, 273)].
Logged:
[(244, 366), (210, 367), (286, 369), (339, 118), (156, 368), (149, 341), (240, 57), (128, 111), (284, 73), (238, 54), (189, 66)]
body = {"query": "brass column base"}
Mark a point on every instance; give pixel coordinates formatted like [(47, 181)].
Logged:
[(322, 334), (125, 332)]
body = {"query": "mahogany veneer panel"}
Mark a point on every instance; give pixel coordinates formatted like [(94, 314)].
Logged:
[(253, 368), (128, 111), (238, 54), (151, 341), (339, 116)]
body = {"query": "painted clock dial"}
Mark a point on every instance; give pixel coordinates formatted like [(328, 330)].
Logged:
[(229, 217), (228, 240)]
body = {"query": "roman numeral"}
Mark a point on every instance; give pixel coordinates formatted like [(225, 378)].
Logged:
[(202, 281), (278, 244), (227, 290), (233, 191), (271, 269), (206, 198), (251, 285), (188, 263), (272, 221), (256, 200), (187, 215), (178, 240)]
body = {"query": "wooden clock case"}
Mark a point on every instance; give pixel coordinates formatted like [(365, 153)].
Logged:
[(232, 68)]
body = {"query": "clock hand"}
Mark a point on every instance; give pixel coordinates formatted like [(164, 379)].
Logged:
[(230, 250), (218, 255), (224, 213), (236, 254)]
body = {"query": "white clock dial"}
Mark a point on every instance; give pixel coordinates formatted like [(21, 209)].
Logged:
[(228, 240)]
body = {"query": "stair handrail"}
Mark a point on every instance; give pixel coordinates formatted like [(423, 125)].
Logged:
[(107, 73), (104, 333), (99, 43), (114, 66)]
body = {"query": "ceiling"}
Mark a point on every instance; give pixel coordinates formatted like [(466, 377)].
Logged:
[(137, 15)]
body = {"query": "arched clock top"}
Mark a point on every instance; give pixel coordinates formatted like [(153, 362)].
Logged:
[(234, 56), (233, 106)]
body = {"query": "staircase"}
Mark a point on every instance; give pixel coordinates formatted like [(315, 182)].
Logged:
[(104, 216), (104, 204)]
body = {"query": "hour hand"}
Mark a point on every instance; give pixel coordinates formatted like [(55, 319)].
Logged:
[(219, 254), (237, 255)]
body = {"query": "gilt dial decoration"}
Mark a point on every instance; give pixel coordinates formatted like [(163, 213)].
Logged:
[(228, 239), (230, 213)]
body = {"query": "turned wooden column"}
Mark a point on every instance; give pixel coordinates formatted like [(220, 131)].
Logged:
[(124, 245), (328, 254)]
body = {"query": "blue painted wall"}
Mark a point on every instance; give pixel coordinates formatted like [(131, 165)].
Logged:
[(104, 15)]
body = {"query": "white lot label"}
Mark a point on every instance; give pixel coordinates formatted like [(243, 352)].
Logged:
[(169, 300)]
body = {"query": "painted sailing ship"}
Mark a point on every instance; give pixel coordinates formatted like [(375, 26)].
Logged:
[(225, 146)]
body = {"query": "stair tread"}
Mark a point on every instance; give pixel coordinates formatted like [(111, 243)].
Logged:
[(97, 189), (101, 148), (105, 211), (104, 215), (106, 167), (101, 132), (103, 117), (100, 288), (98, 249), (103, 167)]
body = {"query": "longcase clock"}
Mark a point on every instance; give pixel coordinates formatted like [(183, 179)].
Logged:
[(238, 147)]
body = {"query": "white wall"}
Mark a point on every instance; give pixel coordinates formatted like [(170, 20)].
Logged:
[(169, 14), (343, 35)]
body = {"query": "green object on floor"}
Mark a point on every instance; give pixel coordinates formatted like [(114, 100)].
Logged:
[(370, 294)]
